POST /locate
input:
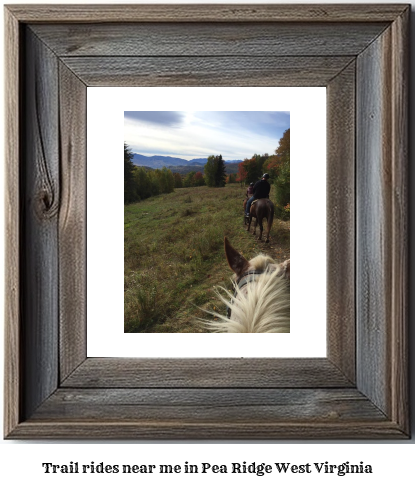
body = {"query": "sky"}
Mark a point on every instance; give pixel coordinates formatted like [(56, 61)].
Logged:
[(188, 135)]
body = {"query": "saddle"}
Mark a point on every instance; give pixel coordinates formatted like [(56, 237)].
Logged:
[(262, 198)]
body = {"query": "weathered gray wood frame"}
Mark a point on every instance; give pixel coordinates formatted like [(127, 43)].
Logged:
[(359, 52)]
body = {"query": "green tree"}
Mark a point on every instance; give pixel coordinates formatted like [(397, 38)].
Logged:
[(253, 168), (215, 171), (178, 180), (130, 193), (188, 181), (220, 174), (210, 170), (166, 180), (155, 186), (282, 184), (143, 183), (148, 182), (282, 180)]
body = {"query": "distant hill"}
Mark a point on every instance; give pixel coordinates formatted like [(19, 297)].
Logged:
[(160, 161), (232, 168), (204, 161), (183, 170), (198, 161)]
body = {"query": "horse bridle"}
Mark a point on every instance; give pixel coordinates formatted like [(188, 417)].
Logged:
[(246, 278)]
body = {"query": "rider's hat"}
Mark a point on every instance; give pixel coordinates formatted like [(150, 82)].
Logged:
[(265, 175)]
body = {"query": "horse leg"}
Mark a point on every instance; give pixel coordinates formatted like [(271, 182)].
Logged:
[(251, 215), (270, 219), (261, 228), (268, 230), (259, 217)]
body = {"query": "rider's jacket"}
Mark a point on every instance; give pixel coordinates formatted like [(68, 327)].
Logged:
[(261, 189)]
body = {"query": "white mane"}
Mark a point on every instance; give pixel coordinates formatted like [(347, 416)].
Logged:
[(261, 306)]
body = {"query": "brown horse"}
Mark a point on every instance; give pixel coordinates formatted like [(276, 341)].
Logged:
[(261, 209)]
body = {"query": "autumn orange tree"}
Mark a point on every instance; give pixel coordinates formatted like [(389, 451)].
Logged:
[(194, 179), (241, 174), (198, 179), (250, 170)]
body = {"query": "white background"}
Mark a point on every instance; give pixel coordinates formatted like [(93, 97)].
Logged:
[(105, 217), (20, 462)]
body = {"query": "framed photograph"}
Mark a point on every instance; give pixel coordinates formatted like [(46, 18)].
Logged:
[(358, 390), (186, 179), (181, 263)]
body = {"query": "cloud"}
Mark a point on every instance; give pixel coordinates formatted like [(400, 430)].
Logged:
[(158, 118), (234, 134), (261, 123)]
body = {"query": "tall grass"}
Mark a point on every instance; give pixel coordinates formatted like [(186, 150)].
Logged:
[(173, 255)]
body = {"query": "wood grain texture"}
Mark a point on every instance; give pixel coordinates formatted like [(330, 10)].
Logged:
[(236, 39), (72, 222), (197, 71), (341, 237), (206, 13), (373, 223), (13, 383), (382, 223), (57, 393), (40, 230), (201, 406), (188, 430), (206, 373), (400, 261)]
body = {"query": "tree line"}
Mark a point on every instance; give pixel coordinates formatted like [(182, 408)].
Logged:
[(141, 183), (278, 167)]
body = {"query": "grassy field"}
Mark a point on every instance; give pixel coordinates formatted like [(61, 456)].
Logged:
[(173, 255)]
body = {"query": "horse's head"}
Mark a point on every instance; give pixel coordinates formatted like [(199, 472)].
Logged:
[(261, 299), (241, 266)]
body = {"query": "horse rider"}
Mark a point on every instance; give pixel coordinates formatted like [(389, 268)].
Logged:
[(261, 190), (250, 190)]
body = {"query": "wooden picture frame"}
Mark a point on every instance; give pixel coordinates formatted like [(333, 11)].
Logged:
[(360, 53)]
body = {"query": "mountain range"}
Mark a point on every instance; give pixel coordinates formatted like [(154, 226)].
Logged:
[(160, 161)]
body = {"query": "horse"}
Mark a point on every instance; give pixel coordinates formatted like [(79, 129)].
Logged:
[(260, 209), (261, 301)]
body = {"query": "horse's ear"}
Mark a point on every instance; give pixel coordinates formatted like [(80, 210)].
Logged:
[(236, 261), (286, 268)]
